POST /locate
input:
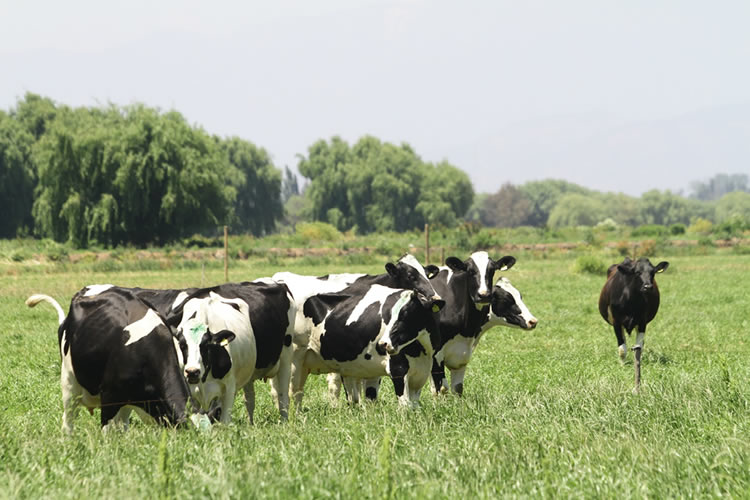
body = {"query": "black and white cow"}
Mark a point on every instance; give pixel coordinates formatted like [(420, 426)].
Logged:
[(369, 331), (468, 291), (630, 299), (232, 335), (117, 355), (406, 273)]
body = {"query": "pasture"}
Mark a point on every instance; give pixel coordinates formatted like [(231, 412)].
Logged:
[(548, 412)]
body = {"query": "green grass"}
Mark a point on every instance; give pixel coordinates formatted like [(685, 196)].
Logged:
[(545, 413)]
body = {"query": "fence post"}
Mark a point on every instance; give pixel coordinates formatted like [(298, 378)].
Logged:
[(226, 254), (426, 244)]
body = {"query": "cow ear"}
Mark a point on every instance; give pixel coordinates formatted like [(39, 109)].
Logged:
[(505, 263), (661, 266), (223, 337), (391, 268), (626, 267), (431, 271), (174, 319), (455, 264)]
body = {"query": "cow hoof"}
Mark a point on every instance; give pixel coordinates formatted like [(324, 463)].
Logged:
[(622, 351), (459, 389)]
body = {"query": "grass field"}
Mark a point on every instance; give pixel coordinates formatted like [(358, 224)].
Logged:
[(545, 413)]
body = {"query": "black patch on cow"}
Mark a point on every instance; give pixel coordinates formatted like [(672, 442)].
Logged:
[(371, 393), (317, 306), (288, 340), (344, 342), (368, 356)]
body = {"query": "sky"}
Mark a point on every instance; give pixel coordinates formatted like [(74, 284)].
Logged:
[(621, 96)]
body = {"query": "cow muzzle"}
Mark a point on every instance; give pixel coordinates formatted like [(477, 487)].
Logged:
[(531, 324), (193, 375)]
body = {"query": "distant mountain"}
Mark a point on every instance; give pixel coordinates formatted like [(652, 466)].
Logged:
[(608, 153)]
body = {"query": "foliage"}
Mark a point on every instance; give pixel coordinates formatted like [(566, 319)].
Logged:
[(677, 229), (544, 195), (719, 185), (509, 207), (575, 209), (734, 205), (289, 185), (258, 204), (317, 231), (589, 264), (17, 177), (650, 230), (374, 186), (700, 226)]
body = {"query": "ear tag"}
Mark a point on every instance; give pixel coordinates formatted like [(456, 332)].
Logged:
[(224, 342), (435, 308), (660, 270)]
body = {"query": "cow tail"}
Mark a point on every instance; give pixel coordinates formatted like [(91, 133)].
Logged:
[(35, 299)]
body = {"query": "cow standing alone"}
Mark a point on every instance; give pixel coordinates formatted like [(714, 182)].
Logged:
[(630, 299)]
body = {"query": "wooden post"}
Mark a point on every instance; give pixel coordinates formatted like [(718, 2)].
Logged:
[(226, 254), (426, 244)]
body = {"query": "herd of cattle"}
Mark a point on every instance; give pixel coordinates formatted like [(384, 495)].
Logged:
[(178, 355)]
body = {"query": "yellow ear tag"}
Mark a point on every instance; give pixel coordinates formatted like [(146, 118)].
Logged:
[(224, 342), (435, 308)]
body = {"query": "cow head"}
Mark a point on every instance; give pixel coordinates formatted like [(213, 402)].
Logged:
[(642, 271), (207, 327), (409, 274), (481, 269), (507, 308), (408, 320)]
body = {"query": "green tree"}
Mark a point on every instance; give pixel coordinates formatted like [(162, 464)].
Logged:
[(17, 177), (289, 185), (719, 185), (575, 209), (733, 205), (508, 207), (258, 205), (35, 113), (544, 195)]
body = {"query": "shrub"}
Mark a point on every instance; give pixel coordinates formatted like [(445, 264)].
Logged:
[(590, 265), (677, 229), (317, 231), (650, 230), (700, 226)]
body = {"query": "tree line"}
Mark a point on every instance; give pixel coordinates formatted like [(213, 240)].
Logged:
[(557, 203), (113, 175)]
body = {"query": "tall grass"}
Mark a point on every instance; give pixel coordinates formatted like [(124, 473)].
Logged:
[(546, 413)]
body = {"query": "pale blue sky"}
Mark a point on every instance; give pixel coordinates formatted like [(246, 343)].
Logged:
[(618, 96)]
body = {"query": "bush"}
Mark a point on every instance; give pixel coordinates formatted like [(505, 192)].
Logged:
[(317, 231), (700, 226), (677, 229), (590, 265), (650, 230)]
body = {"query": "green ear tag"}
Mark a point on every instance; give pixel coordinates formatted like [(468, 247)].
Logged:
[(435, 308)]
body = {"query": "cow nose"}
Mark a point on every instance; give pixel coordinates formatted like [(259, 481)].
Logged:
[(646, 286), (192, 375), (387, 347), (532, 323)]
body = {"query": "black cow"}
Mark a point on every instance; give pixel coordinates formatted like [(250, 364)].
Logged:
[(117, 354), (630, 299)]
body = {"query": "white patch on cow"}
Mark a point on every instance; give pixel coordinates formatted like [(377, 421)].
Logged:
[(449, 271), (376, 294), (639, 340), (179, 300), (622, 351), (482, 261), (525, 313), (92, 290), (412, 261), (404, 299), (143, 326)]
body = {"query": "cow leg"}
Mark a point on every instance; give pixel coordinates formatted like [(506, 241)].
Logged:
[(457, 380), (334, 387), (372, 387), (109, 413), (351, 385), (71, 399), (249, 390), (622, 348), (438, 381), (398, 367), (298, 376), (637, 352), (280, 383)]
